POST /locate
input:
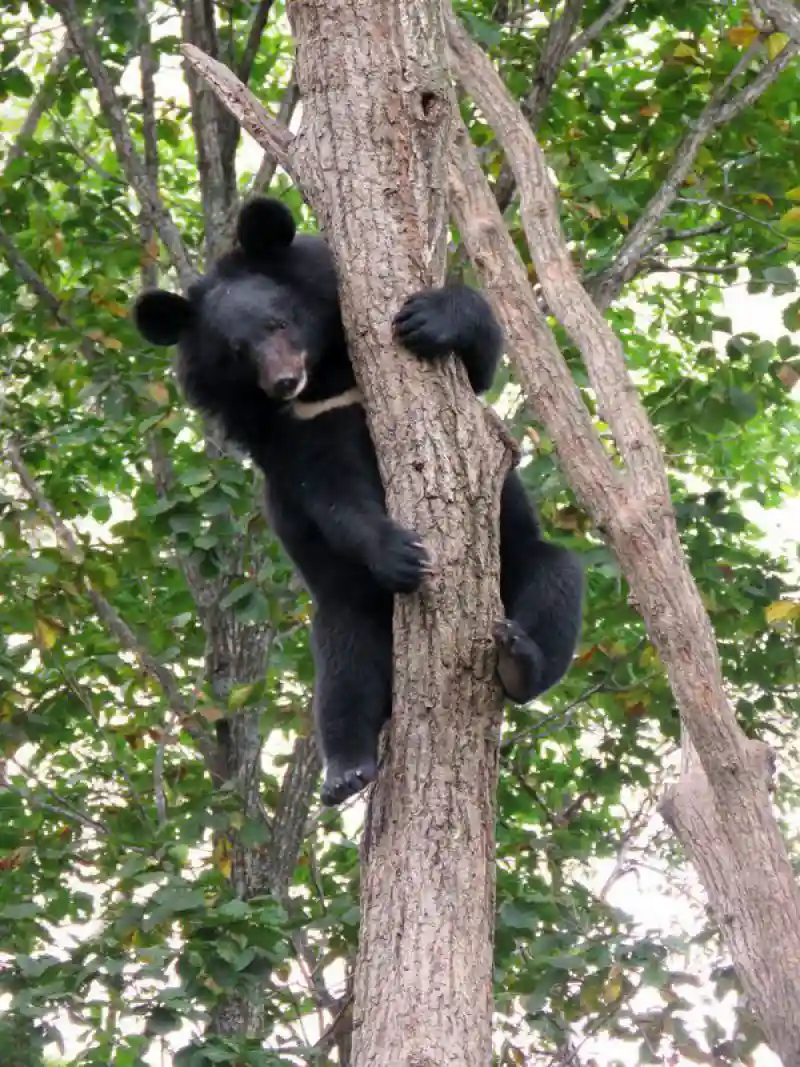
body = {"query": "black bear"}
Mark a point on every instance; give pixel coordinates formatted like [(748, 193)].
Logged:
[(262, 348)]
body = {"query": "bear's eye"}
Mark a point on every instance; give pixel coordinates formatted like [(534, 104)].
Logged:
[(277, 324), (240, 350)]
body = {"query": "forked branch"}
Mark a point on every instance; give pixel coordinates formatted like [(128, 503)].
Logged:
[(720, 109), (273, 137), (785, 15), (618, 399), (148, 195)]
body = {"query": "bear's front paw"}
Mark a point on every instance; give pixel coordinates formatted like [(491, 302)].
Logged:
[(519, 661), (425, 325), (401, 561), (342, 782)]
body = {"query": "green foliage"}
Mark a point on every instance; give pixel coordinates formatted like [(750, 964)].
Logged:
[(119, 926)]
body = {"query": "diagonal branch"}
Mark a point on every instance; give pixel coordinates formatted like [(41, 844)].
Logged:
[(268, 166), (559, 48), (591, 33), (762, 81), (41, 103), (719, 110), (149, 199), (618, 400), (253, 43), (785, 15), (113, 622), (273, 137), (35, 283)]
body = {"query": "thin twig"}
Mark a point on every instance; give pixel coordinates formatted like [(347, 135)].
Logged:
[(114, 623), (41, 103), (34, 281), (785, 15), (80, 693), (591, 33), (62, 807), (719, 110), (289, 102), (149, 198)]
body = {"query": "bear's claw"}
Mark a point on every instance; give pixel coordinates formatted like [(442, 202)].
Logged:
[(344, 783)]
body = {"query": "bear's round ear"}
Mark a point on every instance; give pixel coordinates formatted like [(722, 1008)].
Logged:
[(264, 227), (162, 317)]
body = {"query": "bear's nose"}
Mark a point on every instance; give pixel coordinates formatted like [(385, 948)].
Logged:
[(287, 387)]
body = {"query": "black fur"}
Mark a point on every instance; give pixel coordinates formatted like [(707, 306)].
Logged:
[(263, 329)]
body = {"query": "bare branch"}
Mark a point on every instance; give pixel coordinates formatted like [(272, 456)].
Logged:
[(41, 103), (669, 235), (274, 138), (618, 399), (289, 101), (533, 106), (544, 376), (108, 614), (607, 285), (148, 195), (762, 81), (254, 35), (591, 33), (785, 15), (558, 50), (289, 825), (215, 133)]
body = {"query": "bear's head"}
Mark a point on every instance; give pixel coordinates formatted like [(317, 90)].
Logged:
[(261, 318)]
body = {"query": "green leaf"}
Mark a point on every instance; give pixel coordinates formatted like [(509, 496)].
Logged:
[(783, 276)]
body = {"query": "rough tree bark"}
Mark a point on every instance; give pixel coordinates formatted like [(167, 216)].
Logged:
[(785, 15)]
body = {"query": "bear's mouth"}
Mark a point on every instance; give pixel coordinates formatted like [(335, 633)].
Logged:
[(286, 387)]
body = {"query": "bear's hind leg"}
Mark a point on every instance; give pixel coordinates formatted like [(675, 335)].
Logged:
[(542, 590), (537, 639), (353, 693)]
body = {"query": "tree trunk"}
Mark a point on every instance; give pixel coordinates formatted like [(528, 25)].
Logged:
[(377, 109)]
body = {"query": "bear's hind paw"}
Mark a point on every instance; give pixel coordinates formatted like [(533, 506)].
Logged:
[(519, 662), (341, 783)]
